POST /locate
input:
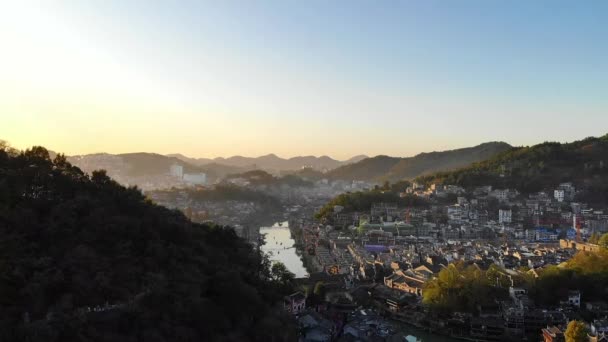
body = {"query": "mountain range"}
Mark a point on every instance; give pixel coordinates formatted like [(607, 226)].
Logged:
[(272, 162), (141, 164), (385, 168), (375, 169)]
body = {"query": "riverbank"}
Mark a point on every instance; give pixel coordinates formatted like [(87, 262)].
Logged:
[(309, 261), (279, 245)]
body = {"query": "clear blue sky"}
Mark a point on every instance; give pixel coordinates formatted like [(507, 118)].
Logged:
[(339, 78)]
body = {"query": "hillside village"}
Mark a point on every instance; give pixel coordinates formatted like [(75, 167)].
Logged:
[(380, 255), (394, 252)]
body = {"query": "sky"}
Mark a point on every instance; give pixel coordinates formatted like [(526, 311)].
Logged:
[(338, 78)]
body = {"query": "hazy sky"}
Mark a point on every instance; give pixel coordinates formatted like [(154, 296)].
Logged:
[(340, 78)]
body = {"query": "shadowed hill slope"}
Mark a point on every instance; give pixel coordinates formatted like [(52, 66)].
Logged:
[(381, 168), (70, 241)]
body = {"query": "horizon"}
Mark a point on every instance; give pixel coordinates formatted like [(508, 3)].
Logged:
[(337, 79), (214, 159)]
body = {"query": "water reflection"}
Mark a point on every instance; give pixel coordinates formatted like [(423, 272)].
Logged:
[(278, 241)]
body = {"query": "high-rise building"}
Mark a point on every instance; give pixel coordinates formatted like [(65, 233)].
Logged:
[(176, 170)]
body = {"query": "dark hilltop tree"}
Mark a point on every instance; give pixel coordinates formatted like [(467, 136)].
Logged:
[(85, 259)]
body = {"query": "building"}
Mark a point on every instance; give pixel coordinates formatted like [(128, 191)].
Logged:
[(176, 170), (402, 282), (574, 298), (501, 195), (542, 234), (295, 303), (581, 246), (195, 178), (559, 195), (553, 334), (504, 215)]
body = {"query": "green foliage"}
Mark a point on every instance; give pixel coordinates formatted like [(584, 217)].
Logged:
[(260, 177), (319, 289), (69, 241), (594, 238), (308, 173), (460, 288), (603, 241), (318, 293), (363, 200), (535, 168), (586, 271), (282, 276), (576, 332), (224, 192)]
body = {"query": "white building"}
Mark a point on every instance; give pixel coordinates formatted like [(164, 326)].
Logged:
[(176, 171), (559, 195), (504, 215), (195, 178), (501, 195)]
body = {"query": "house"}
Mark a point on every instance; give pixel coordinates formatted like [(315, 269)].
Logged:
[(502, 195), (504, 215), (402, 282), (599, 308), (295, 303), (315, 328), (599, 330), (559, 195), (553, 334)]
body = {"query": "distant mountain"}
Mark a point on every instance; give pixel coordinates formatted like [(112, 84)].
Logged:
[(540, 167), (272, 162), (138, 165), (381, 168), (193, 161)]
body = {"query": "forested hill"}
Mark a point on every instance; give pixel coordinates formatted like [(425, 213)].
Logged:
[(382, 168), (539, 167), (69, 242)]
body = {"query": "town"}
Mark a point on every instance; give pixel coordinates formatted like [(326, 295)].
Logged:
[(386, 258), (371, 269)]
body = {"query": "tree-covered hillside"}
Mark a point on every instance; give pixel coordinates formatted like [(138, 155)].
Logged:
[(539, 167), (382, 168), (362, 201), (70, 242), (261, 177)]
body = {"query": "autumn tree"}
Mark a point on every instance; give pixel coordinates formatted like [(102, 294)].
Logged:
[(576, 332)]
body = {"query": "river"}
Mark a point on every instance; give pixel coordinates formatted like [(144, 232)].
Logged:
[(278, 241)]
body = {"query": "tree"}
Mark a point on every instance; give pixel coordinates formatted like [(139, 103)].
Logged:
[(6, 147), (576, 332), (70, 241), (462, 288), (603, 241), (386, 186), (281, 274), (594, 238), (319, 289)]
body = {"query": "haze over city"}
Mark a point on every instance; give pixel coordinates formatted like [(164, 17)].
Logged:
[(341, 78), (303, 171)]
